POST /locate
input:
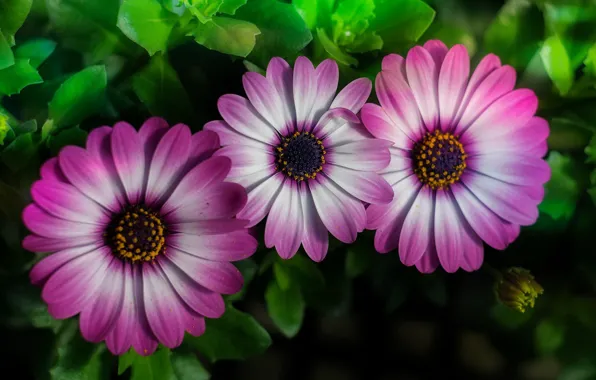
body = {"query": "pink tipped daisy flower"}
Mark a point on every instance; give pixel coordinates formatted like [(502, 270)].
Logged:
[(141, 230), (466, 166), (302, 154)]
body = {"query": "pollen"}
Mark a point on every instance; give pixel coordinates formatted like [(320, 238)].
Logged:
[(300, 156), (136, 235), (439, 159)]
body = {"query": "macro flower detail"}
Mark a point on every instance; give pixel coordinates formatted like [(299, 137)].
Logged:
[(466, 164), (142, 231), (303, 155), (518, 289)]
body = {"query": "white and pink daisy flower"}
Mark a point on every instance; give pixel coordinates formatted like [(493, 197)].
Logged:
[(466, 165), (302, 154), (141, 228)]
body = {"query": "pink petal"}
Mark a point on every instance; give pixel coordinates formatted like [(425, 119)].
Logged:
[(315, 239), (367, 186), (417, 228), (437, 49), (365, 155), (247, 160), (453, 79), (229, 136), (333, 120), (48, 265), (378, 123), (514, 169), (143, 339), (35, 243), (448, 231), (50, 170), (285, 223), (240, 114), (473, 252), (264, 98), (208, 227), (429, 261), (327, 74), (397, 100), (423, 75), (281, 76), (305, 90), (128, 154), (119, 339), (202, 146), (354, 95), (234, 246), (194, 324), (260, 199), (346, 133), (394, 62), (43, 224)]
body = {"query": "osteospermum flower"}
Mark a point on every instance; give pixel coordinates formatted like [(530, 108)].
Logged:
[(302, 154), (467, 163), (142, 231)]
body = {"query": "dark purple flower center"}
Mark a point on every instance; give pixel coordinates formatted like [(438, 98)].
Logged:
[(439, 159), (300, 156), (136, 234)]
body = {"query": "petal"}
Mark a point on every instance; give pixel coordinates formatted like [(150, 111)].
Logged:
[(378, 123), (35, 243), (417, 228), (473, 252), (260, 199), (346, 133), (281, 76), (264, 98), (229, 136), (48, 265), (500, 82), (315, 239), (327, 74), (354, 95), (453, 79), (239, 113), (365, 155), (332, 120), (119, 339), (89, 175), (514, 169), (503, 199), (162, 307), (43, 224), (217, 276), (448, 231), (367, 186), (423, 74), (182, 272), (394, 62), (429, 261), (437, 49), (143, 340), (129, 159), (247, 160), (64, 201), (202, 146), (50, 170), (98, 317), (285, 223), (168, 163), (397, 100), (195, 324), (237, 245), (305, 90), (208, 227)]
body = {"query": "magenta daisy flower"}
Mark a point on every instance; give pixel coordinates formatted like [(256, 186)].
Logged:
[(142, 231), (467, 162), (302, 154)]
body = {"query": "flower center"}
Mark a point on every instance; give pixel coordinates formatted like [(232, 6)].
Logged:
[(137, 234), (300, 156), (439, 159)]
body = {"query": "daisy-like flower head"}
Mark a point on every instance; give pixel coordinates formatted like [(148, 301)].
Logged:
[(302, 154), (467, 162), (142, 233)]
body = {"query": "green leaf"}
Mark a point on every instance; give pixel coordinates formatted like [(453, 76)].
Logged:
[(590, 62), (12, 15), (516, 33), (368, 41), (79, 359), (18, 76), (335, 51), (236, 335), (6, 55), (89, 26), (153, 367), (351, 19), (358, 260), (282, 275), (188, 367), (203, 9), (147, 23), (451, 34), (316, 13), (562, 191), (591, 151), (5, 129), (285, 307), (19, 152), (227, 35), (231, 6), (36, 51), (80, 96), (283, 32), (158, 87), (299, 270), (71, 136), (400, 23), (557, 64), (549, 335)]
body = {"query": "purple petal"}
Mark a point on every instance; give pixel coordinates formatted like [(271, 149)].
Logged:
[(315, 239), (119, 339), (394, 62), (437, 49), (240, 114), (144, 340), (367, 186), (364, 155), (229, 136), (247, 160), (453, 79), (202, 146), (305, 89), (234, 246), (514, 169), (327, 74), (378, 123), (51, 171), (354, 95), (43, 224), (281, 76), (264, 98), (285, 223), (398, 101), (417, 228), (129, 159), (423, 76), (48, 265), (448, 231), (35, 243), (260, 199), (208, 227)]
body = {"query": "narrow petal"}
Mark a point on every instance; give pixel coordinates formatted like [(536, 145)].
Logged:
[(150, 134), (128, 153), (50, 170), (143, 340), (285, 223), (332, 120), (239, 114), (422, 77), (237, 245), (229, 136), (43, 224), (394, 62), (473, 252), (281, 76), (64, 201), (378, 123), (40, 244), (315, 239), (50, 264), (305, 89), (168, 163), (119, 339), (345, 134), (397, 100), (365, 155), (202, 146), (327, 74), (354, 95), (247, 160), (453, 79), (367, 186), (264, 98), (429, 261), (437, 49), (417, 228), (162, 307), (195, 324), (208, 227), (260, 199), (449, 231), (514, 169), (98, 317)]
